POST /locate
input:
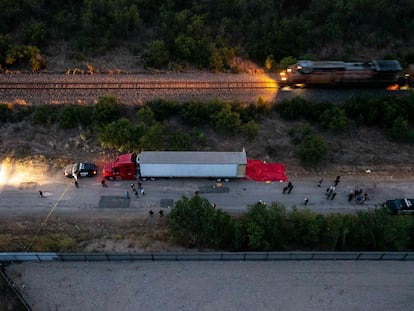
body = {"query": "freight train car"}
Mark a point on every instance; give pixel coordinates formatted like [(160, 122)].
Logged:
[(375, 73)]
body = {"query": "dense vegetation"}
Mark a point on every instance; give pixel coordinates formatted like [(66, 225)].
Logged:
[(195, 222), (135, 128), (207, 34)]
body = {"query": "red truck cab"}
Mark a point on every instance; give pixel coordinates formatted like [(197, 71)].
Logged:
[(123, 168)]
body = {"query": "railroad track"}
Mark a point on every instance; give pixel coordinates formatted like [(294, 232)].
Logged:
[(145, 85)]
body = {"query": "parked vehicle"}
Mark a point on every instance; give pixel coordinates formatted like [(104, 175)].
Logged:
[(156, 164), (81, 170), (375, 73), (400, 206)]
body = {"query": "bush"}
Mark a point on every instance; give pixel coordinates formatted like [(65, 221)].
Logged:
[(226, 120), (250, 128), (192, 222), (156, 55), (293, 109), (306, 228), (45, 115), (71, 116), (195, 113), (121, 135), (312, 150), (333, 119), (106, 110), (264, 227), (164, 109), (179, 140)]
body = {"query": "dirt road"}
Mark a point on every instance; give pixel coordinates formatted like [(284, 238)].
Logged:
[(19, 193)]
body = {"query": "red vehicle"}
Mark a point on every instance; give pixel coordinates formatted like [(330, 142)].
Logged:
[(123, 168)]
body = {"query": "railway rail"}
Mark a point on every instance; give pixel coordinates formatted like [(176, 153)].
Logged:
[(146, 85)]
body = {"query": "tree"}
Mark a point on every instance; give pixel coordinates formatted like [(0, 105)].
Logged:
[(191, 222)]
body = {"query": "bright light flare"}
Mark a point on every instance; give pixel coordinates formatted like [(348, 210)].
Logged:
[(13, 174)]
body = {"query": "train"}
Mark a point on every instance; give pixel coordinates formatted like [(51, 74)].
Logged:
[(374, 73)]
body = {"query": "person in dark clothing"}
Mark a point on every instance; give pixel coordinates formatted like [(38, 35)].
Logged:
[(41, 194), (290, 188), (161, 212), (103, 183), (151, 212), (333, 196), (350, 196), (336, 182), (306, 201), (320, 182)]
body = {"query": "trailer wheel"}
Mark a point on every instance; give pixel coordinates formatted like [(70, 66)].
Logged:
[(226, 179), (218, 179), (152, 178)]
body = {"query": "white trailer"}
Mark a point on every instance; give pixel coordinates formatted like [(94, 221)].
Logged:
[(218, 165)]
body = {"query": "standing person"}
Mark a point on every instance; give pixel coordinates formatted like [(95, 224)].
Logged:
[(350, 196), (336, 182), (285, 189), (290, 188), (306, 201), (139, 185), (320, 183), (76, 183), (41, 194), (127, 194), (142, 191), (103, 183), (333, 196)]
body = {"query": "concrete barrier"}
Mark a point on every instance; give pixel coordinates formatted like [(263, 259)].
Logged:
[(206, 256)]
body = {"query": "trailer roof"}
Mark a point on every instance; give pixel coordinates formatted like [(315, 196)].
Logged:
[(192, 157)]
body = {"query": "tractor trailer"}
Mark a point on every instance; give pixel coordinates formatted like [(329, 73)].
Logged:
[(158, 164)]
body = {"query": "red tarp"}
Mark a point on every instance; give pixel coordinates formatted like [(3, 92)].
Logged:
[(262, 171)]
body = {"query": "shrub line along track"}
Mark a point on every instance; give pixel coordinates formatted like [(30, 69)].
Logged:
[(146, 85)]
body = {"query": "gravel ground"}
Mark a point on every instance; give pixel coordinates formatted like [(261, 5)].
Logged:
[(140, 97), (304, 285)]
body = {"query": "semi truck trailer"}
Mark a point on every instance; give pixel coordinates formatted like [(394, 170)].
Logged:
[(170, 164)]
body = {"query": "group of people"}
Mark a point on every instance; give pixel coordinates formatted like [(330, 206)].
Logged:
[(358, 196), (135, 190), (151, 213)]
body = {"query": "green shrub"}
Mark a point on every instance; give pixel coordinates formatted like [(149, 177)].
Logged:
[(106, 110), (157, 54), (194, 222), (195, 113), (311, 150), (293, 109), (164, 109), (333, 119), (306, 228), (121, 135), (45, 115), (251, 130), (71, 116), (264, 227), (146, 116), (226, 120), (179, 140), (399, 130)]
